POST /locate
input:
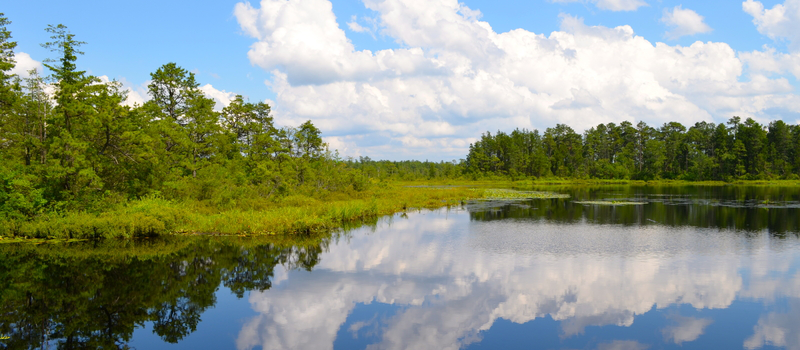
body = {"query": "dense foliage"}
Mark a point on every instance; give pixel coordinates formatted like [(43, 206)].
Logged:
[(705, 151), (68, 143)]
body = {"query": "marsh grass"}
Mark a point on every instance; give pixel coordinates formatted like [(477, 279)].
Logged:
[(295, 214), (152, 217), (495, 194), (612, 203)]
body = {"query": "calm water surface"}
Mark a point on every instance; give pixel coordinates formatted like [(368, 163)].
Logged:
[(694, 268)]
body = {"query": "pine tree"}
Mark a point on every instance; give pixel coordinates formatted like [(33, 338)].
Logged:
[(70, 172)]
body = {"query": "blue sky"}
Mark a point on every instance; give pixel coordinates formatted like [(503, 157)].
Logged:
[(459, 88)]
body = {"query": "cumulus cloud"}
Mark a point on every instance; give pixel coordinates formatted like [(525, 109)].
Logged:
[(453, 77), (686, 329), (683, 22), (770, 61), (135, 95), (24, 64), (612, 5), (221, 97), (779, 22)]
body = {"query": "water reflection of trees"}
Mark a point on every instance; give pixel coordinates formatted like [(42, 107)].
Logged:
[(731, 207), (94, 296)]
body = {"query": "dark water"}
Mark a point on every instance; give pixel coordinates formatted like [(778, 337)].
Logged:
[(693, 268)]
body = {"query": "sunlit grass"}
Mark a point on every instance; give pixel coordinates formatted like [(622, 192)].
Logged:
[(152, 217)]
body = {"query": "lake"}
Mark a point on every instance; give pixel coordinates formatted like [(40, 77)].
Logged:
[(689, 267)]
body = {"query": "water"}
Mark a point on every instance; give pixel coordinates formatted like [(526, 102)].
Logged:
[(694, 268)]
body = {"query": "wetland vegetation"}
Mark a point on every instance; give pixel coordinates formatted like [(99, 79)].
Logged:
[(77, 163)]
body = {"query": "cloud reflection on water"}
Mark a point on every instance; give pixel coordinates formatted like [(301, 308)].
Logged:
[(454, 278)]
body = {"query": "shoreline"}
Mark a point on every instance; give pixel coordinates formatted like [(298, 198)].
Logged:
[(293, 215)]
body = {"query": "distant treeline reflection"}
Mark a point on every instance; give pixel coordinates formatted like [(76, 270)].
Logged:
[(95, 295), (732, 207)]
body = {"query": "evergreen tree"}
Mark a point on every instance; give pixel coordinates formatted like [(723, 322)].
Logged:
[(780, 148), (8, 87), (70, 173)]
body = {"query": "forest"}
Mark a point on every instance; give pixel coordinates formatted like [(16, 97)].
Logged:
[(736, 150), (71, 150)]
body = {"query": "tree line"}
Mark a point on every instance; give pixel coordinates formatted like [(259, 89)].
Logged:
[(705, 151), (735, 150)]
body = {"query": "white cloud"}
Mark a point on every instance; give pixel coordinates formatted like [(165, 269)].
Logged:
[(620, 5), (221, 97), (354, 26), (343, 144), (24, 64), (777, 329), (683, 22), (612, 5), (770, 61), (454, 77), (686, 329), (136, 95), (779, 22), (622, 345)]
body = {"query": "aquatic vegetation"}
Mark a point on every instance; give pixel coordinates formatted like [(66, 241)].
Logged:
[(12, 240), (609, 203), (495, 193)]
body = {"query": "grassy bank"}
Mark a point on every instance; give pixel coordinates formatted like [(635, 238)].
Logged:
[(291, 215), (152, 217)]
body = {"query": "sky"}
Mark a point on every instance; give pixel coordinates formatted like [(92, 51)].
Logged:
[(422, 79)]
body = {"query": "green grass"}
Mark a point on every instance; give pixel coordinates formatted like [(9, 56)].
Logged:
[(152, 217)]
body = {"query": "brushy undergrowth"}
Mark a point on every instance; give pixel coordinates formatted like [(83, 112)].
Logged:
[(151, 217)]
